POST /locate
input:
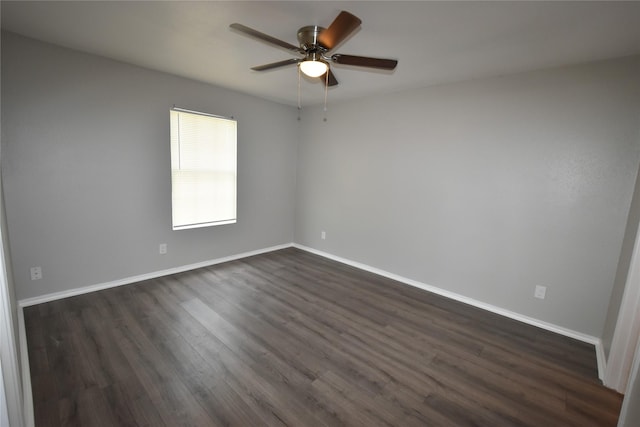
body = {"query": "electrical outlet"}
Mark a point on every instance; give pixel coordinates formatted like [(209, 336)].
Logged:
[(36, 273), (540, 292), (323, 235), (162, 249)]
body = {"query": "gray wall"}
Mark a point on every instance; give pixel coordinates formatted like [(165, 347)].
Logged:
[(485, 188), (86, 167)]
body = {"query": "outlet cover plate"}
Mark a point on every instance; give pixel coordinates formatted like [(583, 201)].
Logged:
[(36, 273)]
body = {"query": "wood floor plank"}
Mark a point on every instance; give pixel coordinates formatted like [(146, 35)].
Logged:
[(264, 392), (289, 338)]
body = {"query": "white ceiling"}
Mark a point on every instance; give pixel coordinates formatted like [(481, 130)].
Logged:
[(435, 42)]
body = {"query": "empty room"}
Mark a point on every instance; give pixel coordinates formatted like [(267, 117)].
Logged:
[(315, 213)]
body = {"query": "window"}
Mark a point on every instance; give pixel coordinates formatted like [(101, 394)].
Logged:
[(203, 169)]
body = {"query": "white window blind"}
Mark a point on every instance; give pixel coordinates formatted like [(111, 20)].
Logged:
[(203, 170)]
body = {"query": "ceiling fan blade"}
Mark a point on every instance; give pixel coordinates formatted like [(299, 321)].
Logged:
[(276, 64), (265, 37), (344, 24), (332, 79), (365, 61)]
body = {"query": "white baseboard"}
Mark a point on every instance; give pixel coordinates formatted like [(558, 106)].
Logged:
[(602, 361), (24, 353), (597, 342), (153, 275)]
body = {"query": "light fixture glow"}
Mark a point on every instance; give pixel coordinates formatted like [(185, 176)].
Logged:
[(313, 68)]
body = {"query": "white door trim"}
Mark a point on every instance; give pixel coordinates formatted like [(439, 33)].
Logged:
[(625, 336), (631, 395), (8, 350)]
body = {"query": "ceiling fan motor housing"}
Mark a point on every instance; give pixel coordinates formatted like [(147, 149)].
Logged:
[(308, 38)]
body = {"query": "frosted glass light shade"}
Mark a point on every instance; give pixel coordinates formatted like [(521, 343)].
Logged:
[(313, 68)]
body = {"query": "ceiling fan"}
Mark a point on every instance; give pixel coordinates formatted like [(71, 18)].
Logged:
[(316, 44)]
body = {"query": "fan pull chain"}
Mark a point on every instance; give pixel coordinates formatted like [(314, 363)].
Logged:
[(326, 91), (299, 95)]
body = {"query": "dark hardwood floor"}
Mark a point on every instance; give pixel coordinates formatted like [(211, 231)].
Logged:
[(291, 338)]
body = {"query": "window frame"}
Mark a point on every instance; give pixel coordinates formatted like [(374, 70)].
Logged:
[(233, 169)]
